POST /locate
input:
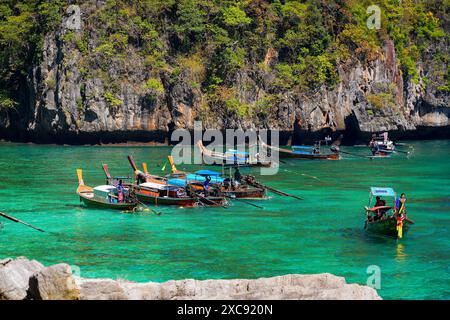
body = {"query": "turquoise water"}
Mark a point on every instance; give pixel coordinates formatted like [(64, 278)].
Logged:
[(323, 233)]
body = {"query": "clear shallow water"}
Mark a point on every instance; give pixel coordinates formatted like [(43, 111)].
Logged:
[(323, 233)]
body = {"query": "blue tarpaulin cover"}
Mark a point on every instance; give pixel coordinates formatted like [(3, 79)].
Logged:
[(197, 177), (302, 149), (177, 182), (208, 173), (192, 178)]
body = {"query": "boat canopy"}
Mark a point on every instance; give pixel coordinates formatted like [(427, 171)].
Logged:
[(208, 173), (197, 177), (382, 191), (177, 182), (157, 186), (302, 147), (104, 190)]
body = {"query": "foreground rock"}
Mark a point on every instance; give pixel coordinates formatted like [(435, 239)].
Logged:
[(21, 278), (293, 286), (53, 283), (15, 276)]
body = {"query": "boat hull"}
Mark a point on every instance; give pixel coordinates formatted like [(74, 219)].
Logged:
[(288, 155), (180, 202), (221, 159), (387, 227), (92, 202), (213, 161), (246, 194)]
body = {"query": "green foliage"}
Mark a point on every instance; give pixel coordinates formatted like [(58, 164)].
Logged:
[(106, 50), (195, 66), (363, 43), (79, 102), (82, 45), (50, 82), (154, 85), (381, 100), (111, 100), (210, 41), (241, 109), (234, 16), (288, 75), (192, 17), (22, 28), (294, 12), (265, 104), (446, 86), (68, 37), (319, 70), (308, 73), (6, 102), (383, 96)]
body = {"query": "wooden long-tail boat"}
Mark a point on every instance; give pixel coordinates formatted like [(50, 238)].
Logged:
[(158, 194), (231, 158), (104, 196), (156, 190), (304, 152), (381, 146), (385, 220), (225, 185)]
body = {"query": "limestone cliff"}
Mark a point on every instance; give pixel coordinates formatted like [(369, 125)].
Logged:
[(77, 94)]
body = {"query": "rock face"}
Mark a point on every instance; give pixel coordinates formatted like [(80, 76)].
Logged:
[(78, 97), (53, 283), (293, 286), (24, 279), (101, 289), (15, 276)]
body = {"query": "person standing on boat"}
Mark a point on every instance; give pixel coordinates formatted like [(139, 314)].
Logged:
[(120, 191), (400, 213), (237, 175), (400, 205), (206, 185)]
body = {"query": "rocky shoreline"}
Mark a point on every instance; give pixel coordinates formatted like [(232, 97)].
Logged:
[(23, 279), (351, 135)]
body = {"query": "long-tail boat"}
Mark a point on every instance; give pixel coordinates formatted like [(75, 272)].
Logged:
[(228, 187), (381, 146), (384, 219), (306, 152), (156, 190), (232, 158), (104, 196)]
